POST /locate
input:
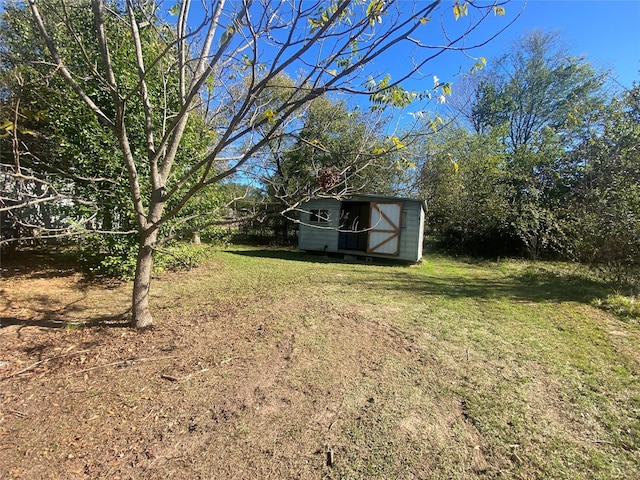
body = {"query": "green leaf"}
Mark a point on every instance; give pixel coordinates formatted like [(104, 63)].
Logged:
[(499, 11), (247, 61), (26, 131), (435, 123), (317, 143), (226, 36), (425, 20), (374, 11), (479, 65), (315, 24), (174, 10)]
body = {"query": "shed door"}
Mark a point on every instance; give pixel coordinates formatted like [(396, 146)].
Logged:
[(385, 227)]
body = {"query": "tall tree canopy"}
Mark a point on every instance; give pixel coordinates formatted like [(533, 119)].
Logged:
[(535, 89), (150, 73), (602, 209), (529, 109)]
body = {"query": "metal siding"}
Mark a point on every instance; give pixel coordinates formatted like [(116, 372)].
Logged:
[(410, 239), (323, 237)]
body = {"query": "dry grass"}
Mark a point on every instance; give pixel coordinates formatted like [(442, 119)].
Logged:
[(274, 364)]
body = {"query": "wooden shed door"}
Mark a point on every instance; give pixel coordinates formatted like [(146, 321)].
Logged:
[(385, 228)]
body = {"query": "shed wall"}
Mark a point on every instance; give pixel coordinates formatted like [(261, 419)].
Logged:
[(323, 236), (412, 231), (319, 236)]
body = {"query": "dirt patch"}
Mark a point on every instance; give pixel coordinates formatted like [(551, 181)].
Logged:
[(224, 391), (241, 378)]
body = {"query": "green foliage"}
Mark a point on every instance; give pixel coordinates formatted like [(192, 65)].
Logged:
[(182, 256), (460, 9), (529, 107), (464, 183), (111, 256), (375, 9), (538, 229), (108, 256), (386, 93), (72, 150), (336, 144), (552, 169), (603, 213), (326, 14), (535, 89)]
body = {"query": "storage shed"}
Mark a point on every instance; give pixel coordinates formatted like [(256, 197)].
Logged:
[(368, 225)]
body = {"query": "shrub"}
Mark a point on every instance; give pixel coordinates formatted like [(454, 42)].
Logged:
[(182, 256), (112, 256)]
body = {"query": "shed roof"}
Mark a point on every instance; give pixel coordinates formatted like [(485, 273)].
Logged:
[(368, 197)]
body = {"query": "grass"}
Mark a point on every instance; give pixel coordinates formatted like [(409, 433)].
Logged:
[(448, 369), (624, 306)]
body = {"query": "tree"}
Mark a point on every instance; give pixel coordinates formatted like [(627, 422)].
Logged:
[(602, 211), (463, 182), (541, 100), (218, 66), (69, 153), (332, 139), (537, 86)]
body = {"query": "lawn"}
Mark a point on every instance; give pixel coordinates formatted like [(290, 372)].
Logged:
[(268, 363)]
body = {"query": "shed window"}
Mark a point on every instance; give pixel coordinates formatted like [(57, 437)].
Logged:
[(319, 216)]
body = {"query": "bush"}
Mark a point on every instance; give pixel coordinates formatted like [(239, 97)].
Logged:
[(112, 256), (183, 256)]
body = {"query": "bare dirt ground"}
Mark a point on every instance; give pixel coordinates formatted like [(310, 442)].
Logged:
[(253, 383), (208, 394)]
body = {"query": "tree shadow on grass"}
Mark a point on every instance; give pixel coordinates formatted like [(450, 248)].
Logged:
[(44, 309), (535, 288), (530, 285), (48, 319), (35, 263), (49, 312), (317, 257)]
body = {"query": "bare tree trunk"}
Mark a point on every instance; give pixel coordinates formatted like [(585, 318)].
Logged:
[(141, 316)]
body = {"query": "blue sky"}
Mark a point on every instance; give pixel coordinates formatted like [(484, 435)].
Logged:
[(606, 32)]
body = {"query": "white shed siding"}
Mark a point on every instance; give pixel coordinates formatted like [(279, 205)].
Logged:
[(421, 234)]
